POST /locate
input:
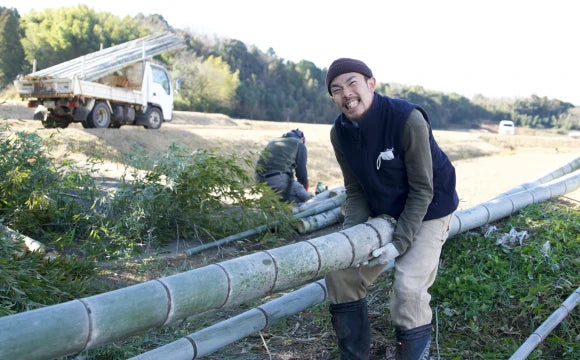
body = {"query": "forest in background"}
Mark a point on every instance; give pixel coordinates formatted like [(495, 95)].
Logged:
[(226, 76)]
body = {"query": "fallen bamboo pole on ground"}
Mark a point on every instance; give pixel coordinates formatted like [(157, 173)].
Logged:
[(547, 326), (29, 243), (556, 173), (316, 200), (319, 221), (323, 205), (500, 207), (213, 338)]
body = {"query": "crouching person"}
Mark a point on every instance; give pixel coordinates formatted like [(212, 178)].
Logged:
[(277, 163)]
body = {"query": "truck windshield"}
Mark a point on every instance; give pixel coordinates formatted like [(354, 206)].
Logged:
[(160, 77)]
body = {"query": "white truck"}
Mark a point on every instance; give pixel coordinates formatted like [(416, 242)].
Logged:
[(108, 88)]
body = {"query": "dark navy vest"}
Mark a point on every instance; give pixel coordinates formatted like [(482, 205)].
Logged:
[(386, 189)]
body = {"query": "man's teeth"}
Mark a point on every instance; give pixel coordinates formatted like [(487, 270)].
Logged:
[(351, 104)]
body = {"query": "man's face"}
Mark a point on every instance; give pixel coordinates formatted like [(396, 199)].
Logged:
[(352, 94)]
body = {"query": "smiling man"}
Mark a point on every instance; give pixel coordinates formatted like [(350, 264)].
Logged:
[(392, 166)]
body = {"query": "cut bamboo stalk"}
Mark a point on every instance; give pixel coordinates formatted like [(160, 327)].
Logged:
[(500, 207), (547, 326), (213, 338), (226, 332), (319, 221), (323, 205), (216, 336), (325, 195), (556, 173), (29, 243), (95, 65)]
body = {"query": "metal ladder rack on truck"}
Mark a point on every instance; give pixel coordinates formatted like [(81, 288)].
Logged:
[(115, 86)]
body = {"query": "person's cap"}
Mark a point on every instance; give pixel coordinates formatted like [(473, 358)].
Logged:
[(297, 133), (346, 65)]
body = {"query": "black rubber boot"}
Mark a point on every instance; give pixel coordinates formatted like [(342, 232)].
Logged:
[(351, 323), (413, 344)]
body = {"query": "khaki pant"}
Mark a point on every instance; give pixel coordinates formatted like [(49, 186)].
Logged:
[(415, 272)]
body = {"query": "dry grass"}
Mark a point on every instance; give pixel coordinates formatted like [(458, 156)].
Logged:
[(486, 163)]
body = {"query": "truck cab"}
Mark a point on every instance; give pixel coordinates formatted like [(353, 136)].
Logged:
[(108, 88), (157, 86)]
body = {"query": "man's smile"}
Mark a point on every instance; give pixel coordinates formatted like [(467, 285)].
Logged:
[(351, 103)]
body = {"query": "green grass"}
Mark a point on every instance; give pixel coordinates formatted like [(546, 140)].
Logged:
[(491, 299)]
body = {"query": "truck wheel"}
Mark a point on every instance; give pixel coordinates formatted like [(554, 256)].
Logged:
[(40, 115), (52, 122), (100, 117), (153, 118)]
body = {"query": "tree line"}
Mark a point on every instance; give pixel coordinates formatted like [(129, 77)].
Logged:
[(227, 76)]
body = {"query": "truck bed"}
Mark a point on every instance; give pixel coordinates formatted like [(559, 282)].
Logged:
[(69, 88), (94, 75)]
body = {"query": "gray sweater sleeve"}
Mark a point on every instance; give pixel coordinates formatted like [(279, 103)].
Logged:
[(420, 176), (357, 209)]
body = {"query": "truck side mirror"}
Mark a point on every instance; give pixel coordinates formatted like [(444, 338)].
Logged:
[(177, 84)]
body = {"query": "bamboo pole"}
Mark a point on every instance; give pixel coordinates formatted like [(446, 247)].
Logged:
[(500, 207), (99, 63), (556, 173), (226, 332), (82, 324), (320, 207), (29, 243), (317, 199), (319, 221), (78, 325), (547, 326)]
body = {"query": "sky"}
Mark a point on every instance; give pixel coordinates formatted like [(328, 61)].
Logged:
[(496, 48)]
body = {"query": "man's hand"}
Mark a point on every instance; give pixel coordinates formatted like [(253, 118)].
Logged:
[(385, 254), (382, 255)]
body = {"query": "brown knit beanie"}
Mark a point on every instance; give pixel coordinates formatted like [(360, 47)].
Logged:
[(346, 65)]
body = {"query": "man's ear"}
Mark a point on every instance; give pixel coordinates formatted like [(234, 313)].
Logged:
[(332, 99), (372, 83)]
